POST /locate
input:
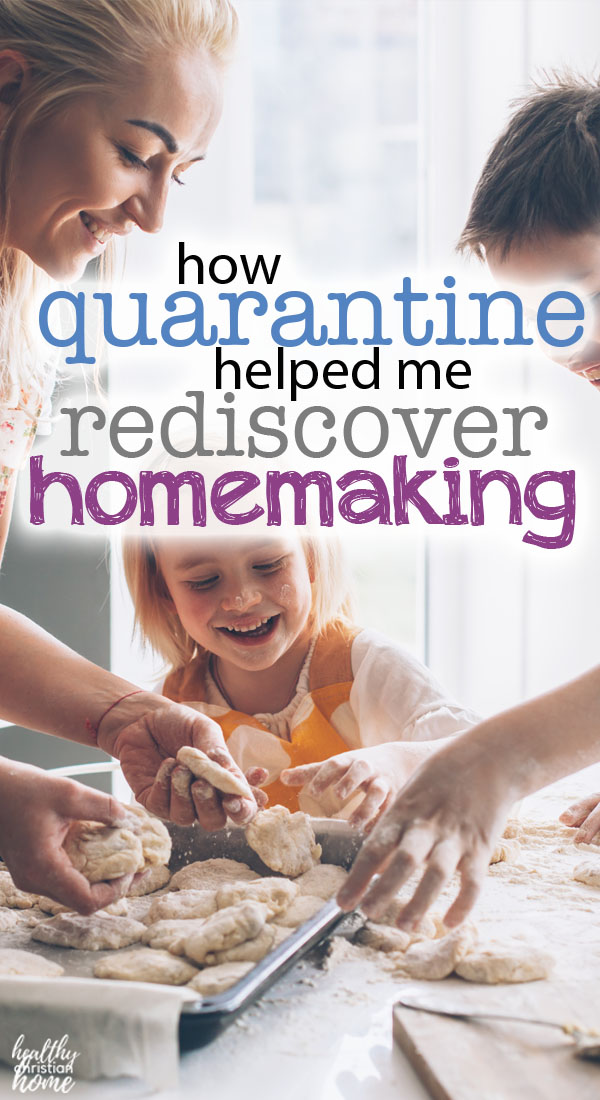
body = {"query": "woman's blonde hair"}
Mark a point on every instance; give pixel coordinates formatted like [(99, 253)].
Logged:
[(76, 47), (160, 627)]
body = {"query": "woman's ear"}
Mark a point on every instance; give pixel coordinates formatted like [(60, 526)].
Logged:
[(14, 74)]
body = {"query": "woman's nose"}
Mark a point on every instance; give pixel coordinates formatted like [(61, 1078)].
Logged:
[(241, 599), (147, 206)]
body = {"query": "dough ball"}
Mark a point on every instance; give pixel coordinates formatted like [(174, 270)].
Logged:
[(8, 920), (12, 897), (101, 852), (202, 767), (512, 962), (217, 979), (588, 872), (154, 879), (226, 929), (302, 909), (251, 951), (276, 893), (145, 965), (153, 834), (506, 851), (13, 961), (184, 905), (322, 881), (383, 937), (170, 935), (95, 933), (432, 960), (209, 874), (285, 842)]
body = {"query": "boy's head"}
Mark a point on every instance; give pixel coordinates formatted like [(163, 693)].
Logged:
[(535, 213)]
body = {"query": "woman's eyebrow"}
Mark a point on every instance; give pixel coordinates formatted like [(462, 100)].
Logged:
[(160, 131)]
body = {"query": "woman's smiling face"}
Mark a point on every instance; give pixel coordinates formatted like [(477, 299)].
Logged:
[(104, 164)]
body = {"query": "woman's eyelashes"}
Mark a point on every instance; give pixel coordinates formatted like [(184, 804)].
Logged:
[(131, 159)]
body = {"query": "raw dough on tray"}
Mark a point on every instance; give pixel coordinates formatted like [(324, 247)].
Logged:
[(252, 950), (95, 933), (202, 767), (8, 919), (170, 935), (13, 961), (510, 962), (217, 979), (184, 905), (322, 881), (226, 929), (209, 874), (153, 879), (285, 842), (302, 909), (11, 896), (144, 964), (276, 893)]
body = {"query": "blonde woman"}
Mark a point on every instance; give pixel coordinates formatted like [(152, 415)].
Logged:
[(104, 104)]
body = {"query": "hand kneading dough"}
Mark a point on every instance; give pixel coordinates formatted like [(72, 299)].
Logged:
[(209, 874), (588, 872), (513, 962), (219, 978), (95, 933), (226, 929), (170, 935), (432, 960), (13, 961), (276, 893), (145, 965), (302, 909), (322, 881), (184, 905), (285, 842), (12, 897), (101, 852), (204, 768), (153, 879)]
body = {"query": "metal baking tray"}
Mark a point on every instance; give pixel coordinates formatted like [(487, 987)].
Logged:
[(203, 1019)]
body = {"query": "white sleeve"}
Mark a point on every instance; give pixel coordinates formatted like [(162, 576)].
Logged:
[(395, 698)]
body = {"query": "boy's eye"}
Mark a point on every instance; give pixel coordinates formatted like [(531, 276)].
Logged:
[(200, 585), (269, 566)]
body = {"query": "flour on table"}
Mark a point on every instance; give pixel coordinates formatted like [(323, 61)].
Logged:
[(285, 842), (144, 964)]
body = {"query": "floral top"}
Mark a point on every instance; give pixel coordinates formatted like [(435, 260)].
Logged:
[(18, 429)]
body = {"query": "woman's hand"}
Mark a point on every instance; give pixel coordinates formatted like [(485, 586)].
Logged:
[(585, 817), (36, 809), (444, 820), (377, 772), (145, 733)]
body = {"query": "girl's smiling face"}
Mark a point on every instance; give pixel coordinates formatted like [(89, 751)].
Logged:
[(247, 602), (104, 164)]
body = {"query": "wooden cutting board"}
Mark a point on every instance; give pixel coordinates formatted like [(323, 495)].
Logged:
[(460, 1060)]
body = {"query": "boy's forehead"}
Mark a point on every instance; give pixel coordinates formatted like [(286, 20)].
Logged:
[(570, 258)]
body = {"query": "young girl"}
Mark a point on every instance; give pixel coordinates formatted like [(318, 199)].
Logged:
[(259, 637)]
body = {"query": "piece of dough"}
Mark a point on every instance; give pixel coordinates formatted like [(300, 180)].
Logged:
[(302, 909), (432, 960), (226, 929), (153, 879), (209, 874), (101, 852), (427, 929), (588, 872), (322, 881), (95, 933), (153, 834), (251, 951), (204, 768), (13, 961), (144, 964), (170, 935), (12, 897), (506, 851), (184, 905), (276, 893), (383, 937), (285, 842), (8, 919), (511, 962), (217, 979)]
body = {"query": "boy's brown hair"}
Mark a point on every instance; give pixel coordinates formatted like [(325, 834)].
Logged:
[(543, 173)]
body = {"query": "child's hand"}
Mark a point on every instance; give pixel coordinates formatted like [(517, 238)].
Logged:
[(584, 816), (378, 773), (146, 745), (445, 819), (36, 809)]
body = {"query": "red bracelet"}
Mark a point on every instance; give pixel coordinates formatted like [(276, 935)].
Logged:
[(94, 729)]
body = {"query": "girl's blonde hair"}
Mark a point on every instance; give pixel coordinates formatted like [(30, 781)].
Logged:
[(158, 622), (76, 47)]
